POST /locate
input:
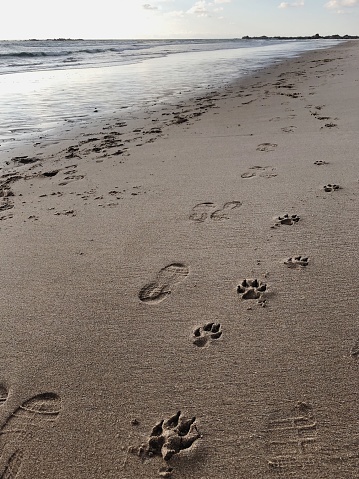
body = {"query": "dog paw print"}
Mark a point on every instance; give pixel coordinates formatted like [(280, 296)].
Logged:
[(204, 334), (286, 220), (297, 261), (172, 436), (251, 289), (329, 188)]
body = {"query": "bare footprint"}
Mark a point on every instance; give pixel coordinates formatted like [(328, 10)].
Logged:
[(17, 430), (267, 147), (13, 465), (201, 211), (261, 171), (166, 279), (222, 213)]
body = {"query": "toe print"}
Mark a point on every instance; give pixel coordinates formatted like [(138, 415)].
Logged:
[(205, 334), (331, 187), (286, 220), (297, 261), (172, 436), (251, 289)]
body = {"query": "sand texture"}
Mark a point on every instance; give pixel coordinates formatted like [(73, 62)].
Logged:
[(179, 293)]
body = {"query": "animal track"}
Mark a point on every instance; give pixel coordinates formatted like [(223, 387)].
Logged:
[(251, 289), (286, 220), (297, 261), (172, 436), (329, 188), (206, 333), (202, 211), (16, 431), (166, 279), (291, 438), (267, 147), (321, 162)]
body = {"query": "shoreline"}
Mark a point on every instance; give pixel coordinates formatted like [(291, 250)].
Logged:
[(129, 292), (87, 112)]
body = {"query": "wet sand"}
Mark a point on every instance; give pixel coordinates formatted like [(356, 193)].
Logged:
[(179, 291)]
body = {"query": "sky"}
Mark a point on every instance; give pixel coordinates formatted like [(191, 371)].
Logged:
[(127, 19)]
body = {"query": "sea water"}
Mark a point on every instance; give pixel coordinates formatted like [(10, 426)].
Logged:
[(48, 83)]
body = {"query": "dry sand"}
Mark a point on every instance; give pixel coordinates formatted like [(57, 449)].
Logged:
[(154, 271)]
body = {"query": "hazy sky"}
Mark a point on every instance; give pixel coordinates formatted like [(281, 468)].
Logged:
[(23, 19)]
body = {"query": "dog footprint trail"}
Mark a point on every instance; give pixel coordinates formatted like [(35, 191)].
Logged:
[(286, 219), (331, 187), (205, 334), (297, 262), (252, 289), (291, 440), (172, 436), (162, 286), (17, 430)]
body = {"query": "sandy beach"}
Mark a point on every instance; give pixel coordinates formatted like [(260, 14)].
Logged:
[(179, 291)]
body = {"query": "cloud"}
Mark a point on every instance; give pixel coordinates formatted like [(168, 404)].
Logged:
[(200, 9), (222, 1), (147, 6), (341, 4), (300, 3)]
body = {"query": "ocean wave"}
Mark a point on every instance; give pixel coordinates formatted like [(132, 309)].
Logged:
[(34, 53)]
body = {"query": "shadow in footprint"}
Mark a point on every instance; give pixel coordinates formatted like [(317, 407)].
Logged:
[(171, 436), (3, 394), (330, 188), (297, 262), (17, 430), (166, 279), (204, 334), (286, 220), (251, 289)]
